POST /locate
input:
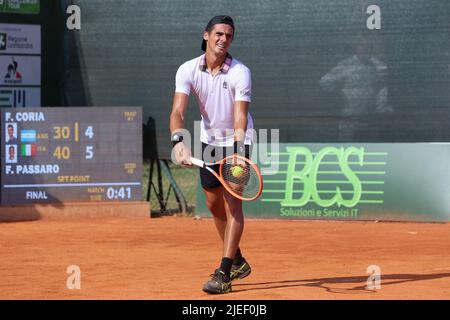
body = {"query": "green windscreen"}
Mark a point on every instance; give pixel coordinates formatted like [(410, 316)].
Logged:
[(322, 71)]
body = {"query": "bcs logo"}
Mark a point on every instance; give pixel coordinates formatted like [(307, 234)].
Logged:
[(308, 175)]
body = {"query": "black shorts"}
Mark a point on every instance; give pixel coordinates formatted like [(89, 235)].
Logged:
[(214, 154)]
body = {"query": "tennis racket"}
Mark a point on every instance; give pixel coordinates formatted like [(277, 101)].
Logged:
[(244, 183)]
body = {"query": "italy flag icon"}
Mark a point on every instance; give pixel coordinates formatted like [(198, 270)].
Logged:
[(28, 150)]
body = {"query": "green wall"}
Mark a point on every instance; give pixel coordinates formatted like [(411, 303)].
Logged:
[(400, 95)]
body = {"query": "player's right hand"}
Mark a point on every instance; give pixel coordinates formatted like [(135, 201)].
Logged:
[(182, 154)]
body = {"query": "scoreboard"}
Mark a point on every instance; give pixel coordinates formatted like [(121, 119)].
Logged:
[(54, 155)]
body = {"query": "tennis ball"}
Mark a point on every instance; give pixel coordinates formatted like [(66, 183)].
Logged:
[(237, 171)]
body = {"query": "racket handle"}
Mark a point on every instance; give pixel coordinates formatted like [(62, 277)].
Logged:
[(197, 162)]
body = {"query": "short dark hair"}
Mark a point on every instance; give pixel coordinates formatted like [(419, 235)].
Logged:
[(219, 19)]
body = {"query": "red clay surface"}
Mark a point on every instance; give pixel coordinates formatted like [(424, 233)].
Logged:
[(171, 258)]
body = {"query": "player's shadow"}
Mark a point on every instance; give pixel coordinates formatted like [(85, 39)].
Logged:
[(327, 283)]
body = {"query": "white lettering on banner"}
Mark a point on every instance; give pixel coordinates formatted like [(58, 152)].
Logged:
[(36, 195), (37, 169), (30, 116)]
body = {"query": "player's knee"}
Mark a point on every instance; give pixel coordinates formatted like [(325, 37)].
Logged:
[(210, 204), (213, 205), (234, 204), (236, 215)]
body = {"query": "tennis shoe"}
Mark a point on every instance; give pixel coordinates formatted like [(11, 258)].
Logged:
[(240, 271), (218, 284)]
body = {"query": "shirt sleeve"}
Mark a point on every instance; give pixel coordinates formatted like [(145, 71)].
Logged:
[(182, 80), (243, 88)]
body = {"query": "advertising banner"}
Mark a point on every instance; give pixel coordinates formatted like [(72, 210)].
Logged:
[(20, 39), (20, 70), (20, 65), (20, 6), (20, 97), (355, 181)]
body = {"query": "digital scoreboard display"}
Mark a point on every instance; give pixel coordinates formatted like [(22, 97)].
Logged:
[(54, 155)]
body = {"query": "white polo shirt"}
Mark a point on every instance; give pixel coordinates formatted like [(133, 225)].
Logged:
[(216, 96)]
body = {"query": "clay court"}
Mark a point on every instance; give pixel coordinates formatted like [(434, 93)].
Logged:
[(171, 258)]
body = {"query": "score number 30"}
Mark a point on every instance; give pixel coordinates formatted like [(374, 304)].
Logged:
[(64, 133)]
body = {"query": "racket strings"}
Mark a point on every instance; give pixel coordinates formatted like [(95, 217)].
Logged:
[(245, 182)]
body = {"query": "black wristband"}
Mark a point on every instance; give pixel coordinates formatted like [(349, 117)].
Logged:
[(176, 137), (174, 143), (239, 148)]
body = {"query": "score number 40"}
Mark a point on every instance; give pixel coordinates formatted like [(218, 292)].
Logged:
[(63, 152)]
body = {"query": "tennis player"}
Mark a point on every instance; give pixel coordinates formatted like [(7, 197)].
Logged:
[(222, 85)]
